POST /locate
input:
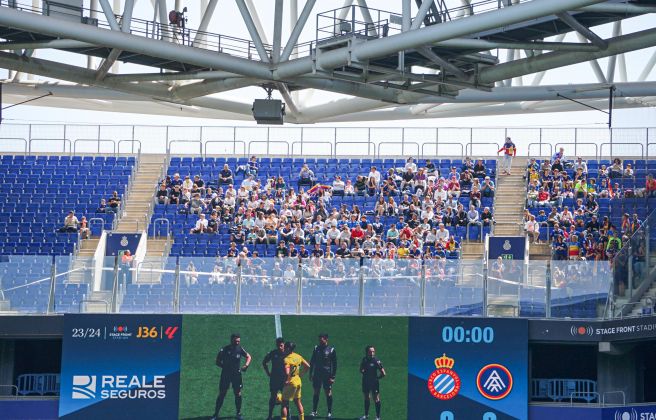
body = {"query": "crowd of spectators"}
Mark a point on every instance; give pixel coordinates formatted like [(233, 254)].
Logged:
[(570, 201), (406, 213)]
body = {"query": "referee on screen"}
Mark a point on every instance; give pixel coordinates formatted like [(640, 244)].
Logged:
[(277, 375), (229, 360), (323, 369), (370, 367)]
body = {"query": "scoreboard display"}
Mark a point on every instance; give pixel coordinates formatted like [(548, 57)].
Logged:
[(467, 369)]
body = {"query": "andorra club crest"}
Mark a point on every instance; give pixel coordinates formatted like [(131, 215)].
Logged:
[(444, 383)]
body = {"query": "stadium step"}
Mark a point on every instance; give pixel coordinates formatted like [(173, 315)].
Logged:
[(472, 250), (98, 302), (140, 196)]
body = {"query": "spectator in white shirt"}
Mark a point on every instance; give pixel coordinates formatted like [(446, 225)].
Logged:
[(201, 224), (338, 187), (187, 183), (472, 216), (374, 173), (410, 164), (442, 234), (532, 229)]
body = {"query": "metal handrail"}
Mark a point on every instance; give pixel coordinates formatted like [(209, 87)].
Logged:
[(469, 147), (170, 143), (94, 301), (234, 145), (402, 143), (576, 144), (583, 393), (369, 144), (14, 388), (540, 152), (480, 225), (161, 220), (437, 147), (603, 397), (25, 151), (102, 221), (601, 148), (131, 141), (250, 143), (98, 141), (303, 142), (64, 140)]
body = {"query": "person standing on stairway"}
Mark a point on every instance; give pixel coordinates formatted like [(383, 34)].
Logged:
[(509, 151)]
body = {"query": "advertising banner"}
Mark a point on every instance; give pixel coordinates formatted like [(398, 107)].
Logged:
[(118, 243), (467, 369), (594, 331), (120, 366)]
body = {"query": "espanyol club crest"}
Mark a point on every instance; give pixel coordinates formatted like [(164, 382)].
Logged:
[(494, 382), (444, 383)]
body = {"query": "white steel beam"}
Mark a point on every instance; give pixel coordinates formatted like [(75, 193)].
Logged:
[(364, 9), (296, 31), (619, 45), (612, 60), (451, 68), (421, 14), (252, 30), (277, 31), (205, 21), (581, 29), (109, 15), (648, 67), (406, 10)]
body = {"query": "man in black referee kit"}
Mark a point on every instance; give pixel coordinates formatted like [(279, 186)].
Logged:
[(277, 375), (323, 368), (369, 367), (229, 360)]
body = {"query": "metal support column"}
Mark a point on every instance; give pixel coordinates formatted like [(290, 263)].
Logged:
[(238, 292), (485, 291), (647, 249), (547, 303), (361, 291), (299, 288), (422, 303), (176, 290), (114, 287), (51, 293), (629, 263)]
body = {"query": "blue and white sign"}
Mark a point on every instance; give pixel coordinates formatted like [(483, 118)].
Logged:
[(120, 366), (506, 247)]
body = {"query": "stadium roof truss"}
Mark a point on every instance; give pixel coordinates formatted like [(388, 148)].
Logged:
[(438, 62)]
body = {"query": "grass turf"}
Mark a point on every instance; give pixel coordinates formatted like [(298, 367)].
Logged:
[(203, 335)]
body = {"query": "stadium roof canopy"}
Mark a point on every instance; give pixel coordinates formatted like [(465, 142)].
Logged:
[(428, 59)]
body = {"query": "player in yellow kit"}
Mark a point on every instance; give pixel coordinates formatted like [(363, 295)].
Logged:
[(295, 366)]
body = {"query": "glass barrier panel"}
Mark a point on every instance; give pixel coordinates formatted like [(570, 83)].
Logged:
[(330, 286), (579, 288), (147, 287), (208, 285), (533, 293), (392, 287), (269, 286), (25, 283), (504, 281), (453, 287), (74, 284)]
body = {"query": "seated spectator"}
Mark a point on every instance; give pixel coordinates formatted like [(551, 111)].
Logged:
[(162, 195), (102, 208), (85, 232), (628, 171), (176, 181), (201, 224), (479, 169), (473, 216), (360, 185), (338, 187), (486, 217), (431, 170), (407, 179), (187, 184), (487, 189), (306, 176), (70, 223), (582, 165), (113, 203), (174, 195), (532, 229), (225, 176), (251, 168), (410, 164), (191, 276), (616, 170), (650, 186)]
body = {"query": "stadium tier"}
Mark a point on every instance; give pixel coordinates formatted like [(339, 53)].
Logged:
[(37, 193)]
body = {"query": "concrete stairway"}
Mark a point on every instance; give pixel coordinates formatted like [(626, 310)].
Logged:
[(510, 200), (140, 196)]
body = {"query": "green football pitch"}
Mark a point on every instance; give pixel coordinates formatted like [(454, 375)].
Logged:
[(204, 335)]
